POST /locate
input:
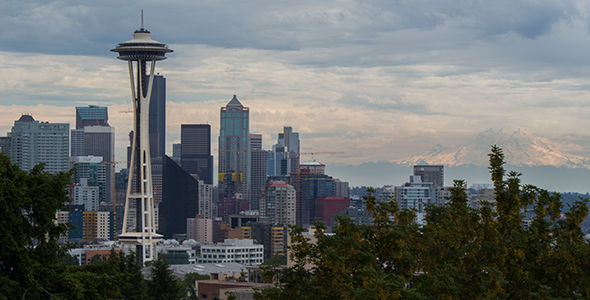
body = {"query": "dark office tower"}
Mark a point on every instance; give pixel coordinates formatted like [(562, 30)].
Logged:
[(234, 150), (431, 173), (258, 173), (195, 151), (93, 115), (180, 194), (158, 117), (100, 141)]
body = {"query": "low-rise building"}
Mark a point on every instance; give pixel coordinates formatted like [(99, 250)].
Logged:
[(233, 250)]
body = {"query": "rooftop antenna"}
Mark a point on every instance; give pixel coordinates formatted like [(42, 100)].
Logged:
[(141, 20)]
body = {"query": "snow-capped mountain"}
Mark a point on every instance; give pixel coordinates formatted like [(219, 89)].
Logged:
[(520, 149)]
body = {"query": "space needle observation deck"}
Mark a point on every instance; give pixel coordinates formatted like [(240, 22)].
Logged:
[(138, 52)]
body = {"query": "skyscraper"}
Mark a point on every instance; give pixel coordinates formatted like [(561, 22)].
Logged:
[(91, 170), (180, 194), (431, 173), (158, 117), (92, 115), (234, 150), (94, 137), (35, 142), (283, 158), (259, 160), (195, 151), (100, 141)]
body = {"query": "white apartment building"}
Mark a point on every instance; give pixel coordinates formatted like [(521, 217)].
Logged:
[(233, 250), (103, 225)]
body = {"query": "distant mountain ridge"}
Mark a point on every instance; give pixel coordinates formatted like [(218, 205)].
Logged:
[(520, 149)]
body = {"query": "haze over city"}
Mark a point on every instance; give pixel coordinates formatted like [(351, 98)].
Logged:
[(379, 81)]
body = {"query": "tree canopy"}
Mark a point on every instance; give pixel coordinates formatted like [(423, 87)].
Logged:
[(34, 266), (29, 254), (460, 253)]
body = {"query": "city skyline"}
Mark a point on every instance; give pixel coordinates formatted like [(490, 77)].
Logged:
[(379, 81)]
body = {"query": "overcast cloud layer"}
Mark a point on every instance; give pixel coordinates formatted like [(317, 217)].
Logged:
[(379, 80)]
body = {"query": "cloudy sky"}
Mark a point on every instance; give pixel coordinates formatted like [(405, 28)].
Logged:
[(378, 80)]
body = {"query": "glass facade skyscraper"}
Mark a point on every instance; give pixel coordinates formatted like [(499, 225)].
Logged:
[(234, 150), (93, 115), (195, 151), (157, 111)]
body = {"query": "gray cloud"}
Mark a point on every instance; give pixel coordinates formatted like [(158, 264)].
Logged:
[(90, 27)]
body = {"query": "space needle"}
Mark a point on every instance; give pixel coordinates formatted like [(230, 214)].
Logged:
[(138, 52)]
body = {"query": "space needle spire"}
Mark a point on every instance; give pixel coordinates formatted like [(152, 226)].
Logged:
[(138, 52)]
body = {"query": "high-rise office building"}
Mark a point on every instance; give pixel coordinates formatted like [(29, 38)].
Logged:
[(91, 170), (283, 158), (35, 142), (234, 150), (431, 173), (100, 141), (195, 151), (94, 137), (77, 142), (179, 199), (258, 164), (92, 115), (157, 111), (313, 183)]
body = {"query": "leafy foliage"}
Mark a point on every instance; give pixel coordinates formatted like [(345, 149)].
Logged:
[(162, 284), (461, 252), (34, 266), (277, 260), (29, 254)]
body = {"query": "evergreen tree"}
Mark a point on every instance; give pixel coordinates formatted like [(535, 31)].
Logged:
[(162, 284), (461, 253)]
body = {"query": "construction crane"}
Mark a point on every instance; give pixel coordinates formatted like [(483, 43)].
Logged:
[(311, 153)]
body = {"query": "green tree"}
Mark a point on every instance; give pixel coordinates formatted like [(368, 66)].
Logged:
[(357, 262), (29, 254), (460, 253), (277, 260), (162, 284), (117, 276)]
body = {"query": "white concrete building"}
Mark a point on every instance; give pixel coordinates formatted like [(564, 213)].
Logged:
[(233, 250)]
